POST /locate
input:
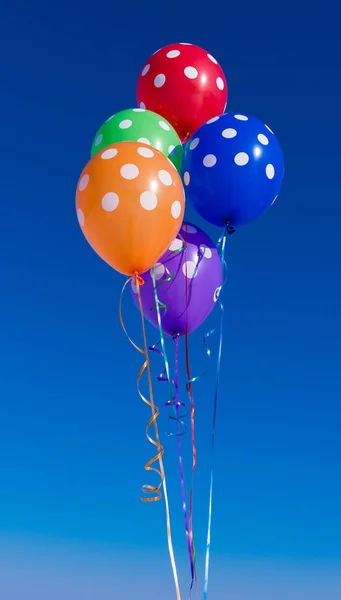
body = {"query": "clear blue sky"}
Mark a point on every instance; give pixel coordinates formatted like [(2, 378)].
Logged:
[(72, 440)]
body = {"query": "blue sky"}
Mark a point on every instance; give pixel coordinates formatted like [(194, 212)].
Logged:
[(39, 569), (72, 427)]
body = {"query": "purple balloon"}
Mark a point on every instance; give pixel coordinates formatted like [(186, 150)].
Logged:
[(200, 264)]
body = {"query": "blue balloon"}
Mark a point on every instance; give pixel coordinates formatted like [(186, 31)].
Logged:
[(232, 170)]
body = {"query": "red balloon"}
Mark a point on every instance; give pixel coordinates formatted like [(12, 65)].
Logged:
[(184, 84)]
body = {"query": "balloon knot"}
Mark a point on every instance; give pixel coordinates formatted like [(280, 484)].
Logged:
[(138, 281)]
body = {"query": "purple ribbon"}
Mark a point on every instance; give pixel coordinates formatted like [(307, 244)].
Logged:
[(180, 430)]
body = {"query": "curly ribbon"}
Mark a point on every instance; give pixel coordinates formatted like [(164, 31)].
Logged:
[(165, 375), (180, 425), (189, 386), (149, 489), (221, 250), (174, 401)]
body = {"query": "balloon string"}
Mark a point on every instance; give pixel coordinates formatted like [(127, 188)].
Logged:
[(221, 249), (165, 375), (184, 501), (149, 489), (174, 401), (194, 448)]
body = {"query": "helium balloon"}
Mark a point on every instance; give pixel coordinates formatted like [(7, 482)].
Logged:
[(185, 84), (195, 271), (130, 204), (233, 169), (139, 125)]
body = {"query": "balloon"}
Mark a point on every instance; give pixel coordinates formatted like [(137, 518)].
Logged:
[(185, 85), (130, 204), (232, 169), (139, 125), (197, 268)]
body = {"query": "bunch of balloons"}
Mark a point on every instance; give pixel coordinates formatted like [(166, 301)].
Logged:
[(178, 145)]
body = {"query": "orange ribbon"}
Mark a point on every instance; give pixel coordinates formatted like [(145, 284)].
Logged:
[(147, 488)]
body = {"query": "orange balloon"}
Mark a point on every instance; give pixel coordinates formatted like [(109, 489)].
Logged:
[(130, 204)]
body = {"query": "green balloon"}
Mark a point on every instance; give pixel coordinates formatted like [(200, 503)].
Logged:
[(140, 125)]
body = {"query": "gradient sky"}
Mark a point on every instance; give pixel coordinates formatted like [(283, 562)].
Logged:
[(72, 426)]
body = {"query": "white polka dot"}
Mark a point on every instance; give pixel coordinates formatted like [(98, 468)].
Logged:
[(212, 59), (159, 80), (209, 160), (262, 139), (133, 287), (164, 125), (129, 171), (194, 143), (173, 53), (220, 83), (112, 116), (110, 201), (175, 245), (109, 153), (241, 117), (185, 44), (270, 171), (176, 209), (170, 149), (229, 133), (148, 200), (145, 70), (81, 217), (145, 152), (98, 139), (139, 110), (125, 124), (83, 182), (213, 120), (187, 178), (165, 177), (159, 271), (274, 200), (191, 72), (142, 105), (206, 251), (241, 159), (189, 269), (268, 128), (144, 141), (189, 229)]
